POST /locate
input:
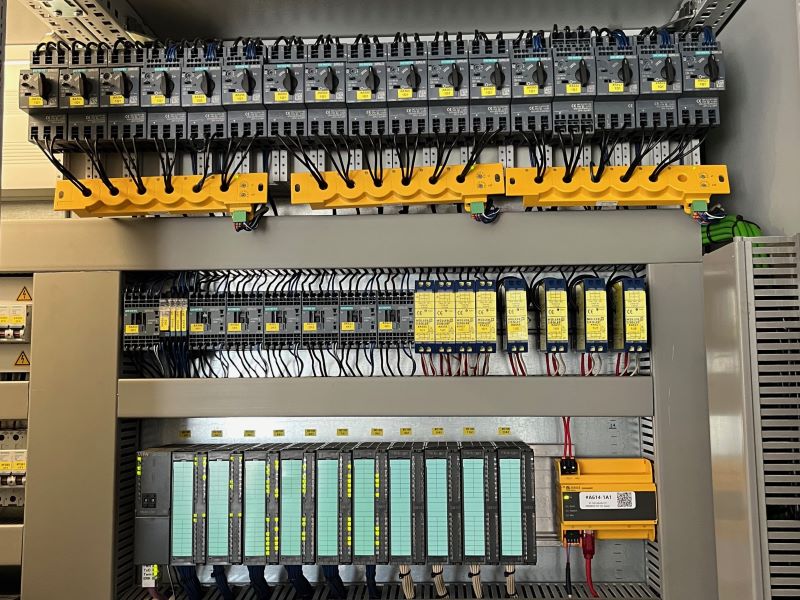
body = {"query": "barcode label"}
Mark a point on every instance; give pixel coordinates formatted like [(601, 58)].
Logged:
[(607, 500)]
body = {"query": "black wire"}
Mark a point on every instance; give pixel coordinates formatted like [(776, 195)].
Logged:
[(46, 147), (94, 157)]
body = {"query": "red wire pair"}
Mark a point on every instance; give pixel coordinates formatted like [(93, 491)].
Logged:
[(568, 451), (619, 371)]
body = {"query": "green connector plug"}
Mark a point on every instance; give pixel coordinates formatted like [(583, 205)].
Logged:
[(239, 216), (699, 206), (476, 208)]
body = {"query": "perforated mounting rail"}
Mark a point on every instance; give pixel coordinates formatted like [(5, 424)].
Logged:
[(682, 185), (479, 183), (245, 191)]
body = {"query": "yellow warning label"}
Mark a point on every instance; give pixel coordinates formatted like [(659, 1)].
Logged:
[(516, 316), (348, 326), (702, 84), (616, 87), (468, 431), (216, 433), (424, 317), (131, 329), (281, 96), (342, 432), (272, 327), (199, 98), (35, 101), (596, 316), (376, 432), (385, 326), (556, 316), (405, 431), (234, 328), (404, 93), (22, 360), (635, 316), (116, 99), (486, 315), (76, 101), (437, 431), (446, 92), (659, 86), (445, 315), (322, 95), (488, 90), (504, 431), (363, 95), (24, 295), (239, 97), (197, 328), (185, 433), (158, 99), (465, 316), (574, 88), (530, 90)]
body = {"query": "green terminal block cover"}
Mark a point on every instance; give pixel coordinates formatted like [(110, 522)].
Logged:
[(699, 206), (239, 216), (476, 208)]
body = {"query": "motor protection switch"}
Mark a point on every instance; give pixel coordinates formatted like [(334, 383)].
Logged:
[(38, 89), (119, 87), (283, 84), (79, 88)]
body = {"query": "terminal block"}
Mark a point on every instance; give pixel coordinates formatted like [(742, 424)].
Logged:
[(575, 85), (284, 89), (127, 124), (407, 86), (325, 83), (703, 79), (490, 83), (532, 83), (86, 125), (448, 85), (661, 80), (366, 87), (47, 126), (617, 82)]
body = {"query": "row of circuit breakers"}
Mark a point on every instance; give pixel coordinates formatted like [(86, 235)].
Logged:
[(568, 81), (437, 317), (367, 503)]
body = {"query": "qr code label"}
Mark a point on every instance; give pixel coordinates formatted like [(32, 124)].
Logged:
[(607, 500)]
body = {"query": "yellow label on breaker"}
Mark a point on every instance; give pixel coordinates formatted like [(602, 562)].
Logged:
[(465, 316), (363, 95), (596, 315), (199, 98), (615, 87), (517, 316), (574, 88), (281, 96), (158, 99), (322, 95), (404, 93), (116, 99), (348, 326), (309, 326), (556, 315), (445, 316), (272, 327), (5, 466), (76, 101), (385, 326), (234, 328), (131, 329), (239, 96), (659, 86), (35, 101), (446, 92), (486, 315), (197, 327), (530, 90), (488, 90), (424, 317), (702, 84), (635, 316)]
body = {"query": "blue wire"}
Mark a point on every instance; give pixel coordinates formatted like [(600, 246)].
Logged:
[(665, 39), (708, 35)]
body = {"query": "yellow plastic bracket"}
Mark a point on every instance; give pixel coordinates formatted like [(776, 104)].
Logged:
[(481, 181), (679, 185), (245, 190)]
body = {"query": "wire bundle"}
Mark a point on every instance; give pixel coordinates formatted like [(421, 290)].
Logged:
[(722, 231)]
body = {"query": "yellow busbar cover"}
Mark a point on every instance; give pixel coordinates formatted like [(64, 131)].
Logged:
[(614, 497)]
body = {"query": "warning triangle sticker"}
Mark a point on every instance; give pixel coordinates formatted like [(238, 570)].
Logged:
[(22, 360), (24, 295)]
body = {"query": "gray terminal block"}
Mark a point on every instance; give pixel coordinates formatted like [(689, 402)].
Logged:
[(166, 125), (490, 85), (247, 123), (85, 126), (160, 87), (79, 89), (365, 88), (201, 78), (127, 124), (38, 89), (203, 125), (284, 93), (325, 83), (448, 86), (617, 82), (407, 87), (661, 82), (153, 507), (532, 86), (47, 126)]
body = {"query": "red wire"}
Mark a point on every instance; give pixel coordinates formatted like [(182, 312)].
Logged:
[(511, 362), (547, 362), (424, 366), (617, 371), (583, 368), (589, 581), (522, 366)]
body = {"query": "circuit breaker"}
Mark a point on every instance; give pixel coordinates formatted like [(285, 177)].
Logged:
[(407, 86), (703, 70), (242, 89), (617, 82), (161, 81), (532, 81), (661, 81), (448, 85), (325, 82), (575, 85), (490, 84), (284, 90), (366, 87)]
